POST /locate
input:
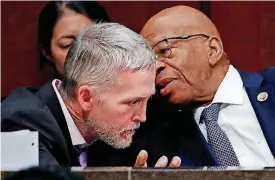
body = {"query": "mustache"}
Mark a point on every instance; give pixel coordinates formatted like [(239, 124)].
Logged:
[(131, 127)]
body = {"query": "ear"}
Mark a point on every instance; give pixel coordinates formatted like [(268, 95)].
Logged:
[(86, 97), (215, 50), (45, 54)]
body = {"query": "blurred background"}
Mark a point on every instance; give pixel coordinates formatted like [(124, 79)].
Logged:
[(247, 30)]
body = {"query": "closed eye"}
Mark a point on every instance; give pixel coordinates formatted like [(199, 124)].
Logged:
[(135, 102), (66, 46)]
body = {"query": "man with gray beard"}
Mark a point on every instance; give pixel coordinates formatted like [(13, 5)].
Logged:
[(109, 75)]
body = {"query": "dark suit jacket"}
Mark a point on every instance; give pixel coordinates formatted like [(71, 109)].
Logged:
[(166, 131), (39, 110), (254, 84)]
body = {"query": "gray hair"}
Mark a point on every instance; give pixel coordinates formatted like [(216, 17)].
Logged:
[(100, 52)]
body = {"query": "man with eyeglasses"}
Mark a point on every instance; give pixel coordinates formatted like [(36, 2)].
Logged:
[(234, 111)]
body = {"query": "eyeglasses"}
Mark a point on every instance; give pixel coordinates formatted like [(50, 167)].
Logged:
[(163, 49)]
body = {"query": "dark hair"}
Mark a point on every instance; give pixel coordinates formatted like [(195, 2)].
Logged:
[(54, 10), (45, 173)]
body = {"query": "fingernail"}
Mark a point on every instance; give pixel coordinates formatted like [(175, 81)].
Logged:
[(175, 161), (142, 154), (163, 160)]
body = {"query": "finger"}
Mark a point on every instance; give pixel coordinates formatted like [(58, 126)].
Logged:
[(162, 162), (141, 160), (176, 161)]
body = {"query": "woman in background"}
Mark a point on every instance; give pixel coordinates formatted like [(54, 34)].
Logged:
[(59, 23)]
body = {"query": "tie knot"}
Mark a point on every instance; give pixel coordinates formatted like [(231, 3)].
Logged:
[(80, 148), (211, 113)]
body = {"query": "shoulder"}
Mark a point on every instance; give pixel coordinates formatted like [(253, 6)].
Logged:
[(269, 75), (257, 79), (31, 113), (24, 109), (22, 99)]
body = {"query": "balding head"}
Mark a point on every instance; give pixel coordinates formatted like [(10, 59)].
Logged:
[(191, 62), (179, 20)]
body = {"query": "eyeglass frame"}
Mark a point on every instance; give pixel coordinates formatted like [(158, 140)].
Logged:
[(176, 37)]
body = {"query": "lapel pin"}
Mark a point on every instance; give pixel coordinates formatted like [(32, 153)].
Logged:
[(262, 96)]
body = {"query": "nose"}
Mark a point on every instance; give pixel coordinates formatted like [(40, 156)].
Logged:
[(159, 66), (141, 114)]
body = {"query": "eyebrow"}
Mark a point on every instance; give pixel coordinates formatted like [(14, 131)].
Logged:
[(150, 37), (144, 97), (163, 39)]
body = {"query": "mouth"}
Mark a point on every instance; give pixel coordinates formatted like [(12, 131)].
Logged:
[(163, 83), (127, 133)]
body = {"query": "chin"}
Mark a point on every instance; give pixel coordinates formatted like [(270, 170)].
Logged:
[(121, 142), (173, 99), (178, 100)]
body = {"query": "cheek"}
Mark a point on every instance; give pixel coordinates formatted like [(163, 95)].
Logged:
[(193, 65), (118, 115), (59, 56), (181, 61), (181, 91), (125, 116), (186, 60)]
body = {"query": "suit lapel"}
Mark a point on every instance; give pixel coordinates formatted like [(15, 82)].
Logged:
[(48, 95), (210, 159), (264, 110)]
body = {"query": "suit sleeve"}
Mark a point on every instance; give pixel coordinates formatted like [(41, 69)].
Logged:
[(45, 157), (52, 147)]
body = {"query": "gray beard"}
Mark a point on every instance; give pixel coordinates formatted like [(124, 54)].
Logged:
[(110, 136)]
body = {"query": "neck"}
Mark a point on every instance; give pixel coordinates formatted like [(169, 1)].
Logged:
[(78, 117), (212, 84)]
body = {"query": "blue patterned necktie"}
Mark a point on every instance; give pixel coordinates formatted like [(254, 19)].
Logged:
[(217, 139)]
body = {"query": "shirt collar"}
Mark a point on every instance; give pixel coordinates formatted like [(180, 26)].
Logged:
[(229, 91), (76, 137)]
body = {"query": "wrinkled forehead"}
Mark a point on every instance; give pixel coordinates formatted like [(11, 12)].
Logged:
[(158, 31)]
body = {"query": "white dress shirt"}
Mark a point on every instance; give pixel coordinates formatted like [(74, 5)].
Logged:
[(238, 120), (76, 137)]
